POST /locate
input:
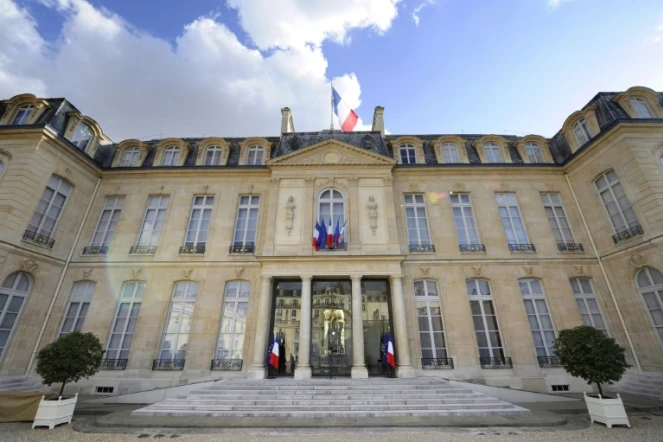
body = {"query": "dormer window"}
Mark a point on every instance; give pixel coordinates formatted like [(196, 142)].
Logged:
[(130, 157), (534, 153), (82, 136), (450, 153), (23, 114), (170, 156), (493, 153), (213, 155), (408, 154), (641, 108), (255, 156), (581, 131)]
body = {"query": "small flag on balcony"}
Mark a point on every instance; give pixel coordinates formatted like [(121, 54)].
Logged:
[(316, 236), (322, 236), (338, 233), (330, 236)]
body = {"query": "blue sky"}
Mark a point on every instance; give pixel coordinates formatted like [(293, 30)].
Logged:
[(225, 68)]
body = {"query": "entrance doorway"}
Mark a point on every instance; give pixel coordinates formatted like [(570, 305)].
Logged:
[(331, 328), (375, 310), (286, 312)]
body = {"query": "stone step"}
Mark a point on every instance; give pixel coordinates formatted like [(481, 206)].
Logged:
[(331, 408), (331, 402), (351, 397), (326, 414), (360, 391)]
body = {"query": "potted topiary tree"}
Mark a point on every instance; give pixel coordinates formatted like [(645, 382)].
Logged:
[(590, 354), (71, 357)]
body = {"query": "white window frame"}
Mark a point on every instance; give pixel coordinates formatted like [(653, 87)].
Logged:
[(640, 107), (171, 156), (489, 149), (23, 114), (410, 152), (655, 289), (534, 153), (609, 190), (552, 204), (581, 131), (510, 221), (235, 293), (182, 305), (450, 153), (130, 157), (59, 187), (584, 296), (132, 297), (475, 294), (202, 205), (157, 204), (82, 136), (423, 237), (464, 226), (113, 207), (213, 155), (535, 299), (12, 293), (78, 306), (255, 155), (429, 295), (241, 233), (328, 199)]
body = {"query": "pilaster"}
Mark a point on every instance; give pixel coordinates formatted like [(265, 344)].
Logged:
[(258, 369)]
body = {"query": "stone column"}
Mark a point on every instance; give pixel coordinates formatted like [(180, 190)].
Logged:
[(303, 370), (403, 367), (258, 369), (359, 370)]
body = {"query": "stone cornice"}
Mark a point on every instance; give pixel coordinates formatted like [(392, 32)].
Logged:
[(335, 258)]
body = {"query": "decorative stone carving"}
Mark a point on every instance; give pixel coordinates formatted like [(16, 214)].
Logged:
[(372, 213), (6, 153), (353, 181), (579, 269), (87, 273), (187, 273), (205, 189), (476, 270), (161, 189), (637, 260), (28, 265), (289, 213), (239, 271), (528, 270), (424, 271), (460, 186), (388, 181), (275, 181), (309, 181), (136, 273), (414, 187)]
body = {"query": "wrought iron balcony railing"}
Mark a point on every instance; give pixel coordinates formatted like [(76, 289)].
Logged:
[(226, 365), (627, 234), (422, 248), (341, 246), (548, 361), (41, 240), (570, 247), (168, 364), (529, 248), (239, 247), (114, 364), (143, 250), (95, 250), (192, 250), (504, 362), (437, 363), (472, 248)]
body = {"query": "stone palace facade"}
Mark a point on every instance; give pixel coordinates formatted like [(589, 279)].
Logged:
[(189, 257)]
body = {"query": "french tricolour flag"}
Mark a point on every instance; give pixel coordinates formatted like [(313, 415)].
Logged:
[(391, 358), (274, 356), (347, 118)]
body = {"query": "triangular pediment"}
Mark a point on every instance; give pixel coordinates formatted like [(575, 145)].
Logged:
[(332, 153)]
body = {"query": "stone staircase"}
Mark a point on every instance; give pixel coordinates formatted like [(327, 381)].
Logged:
[(646, 384), (331, 398), (21, 384)]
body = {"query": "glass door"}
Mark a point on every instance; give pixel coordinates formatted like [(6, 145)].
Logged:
[(286, 313), (331, 328), (375, 308)]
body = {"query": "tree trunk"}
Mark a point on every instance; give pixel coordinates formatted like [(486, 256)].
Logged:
[(600, 390), (63, 384)]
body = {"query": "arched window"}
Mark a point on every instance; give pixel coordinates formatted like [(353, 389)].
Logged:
[(130, 157), (408, 154), (230, 344), (254, 156), (178, 322), (331, 207), (450, 153), (640, 107), (213, 155), (124, 323), (583, 289), (23, 114), (13, 292), (534, 153), (650, 285), (170, 156), (79, 303), (581, 131), (493, 153), (538, 316), (49, 209), (616, 203), (485, 321), (82, 136), (429, 316)]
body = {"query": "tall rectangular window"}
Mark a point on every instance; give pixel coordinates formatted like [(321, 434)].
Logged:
[(199, 219), (511, 219), (230, 344), (582, 132), (246, 223), (178, 322), (408, 154), (130, 157), (429, 316), (417, 220), (124, 323), (485, 319), (534, 153), (466, 229), (50, 207), (552, 203), (213, 155), (538, 316), (583, 289), (79, 303), (255, 155), (616, 203), (110, 214), (153, 221), (493, 153), (450, 153)]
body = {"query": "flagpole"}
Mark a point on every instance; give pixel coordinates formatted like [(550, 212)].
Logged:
[(331, 126)]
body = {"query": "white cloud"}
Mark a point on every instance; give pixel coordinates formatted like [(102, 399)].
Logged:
[(557, 3), (207, 82), (417, 10)]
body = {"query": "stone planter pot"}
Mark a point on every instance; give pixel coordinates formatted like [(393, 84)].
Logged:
[(55, 412), (607, 411)]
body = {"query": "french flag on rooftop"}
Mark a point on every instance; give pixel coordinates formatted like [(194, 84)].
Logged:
[(347, 118)]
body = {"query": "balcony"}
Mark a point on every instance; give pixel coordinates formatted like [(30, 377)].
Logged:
[(433, 363), (95, 250), (526, 248), (570, 247), (504, 362), (627, 234), (239, 247), (548, 361), (226, 365), (341, 246), (192, 250), (113, 364), (40, 240), (143, 250), (472, 248), (422, 248), (168, 364)]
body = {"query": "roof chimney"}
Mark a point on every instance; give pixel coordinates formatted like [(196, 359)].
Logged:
[(287, 126), (378, 119)]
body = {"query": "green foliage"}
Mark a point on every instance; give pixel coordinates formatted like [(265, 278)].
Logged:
[(71, 357), (588, 353)]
